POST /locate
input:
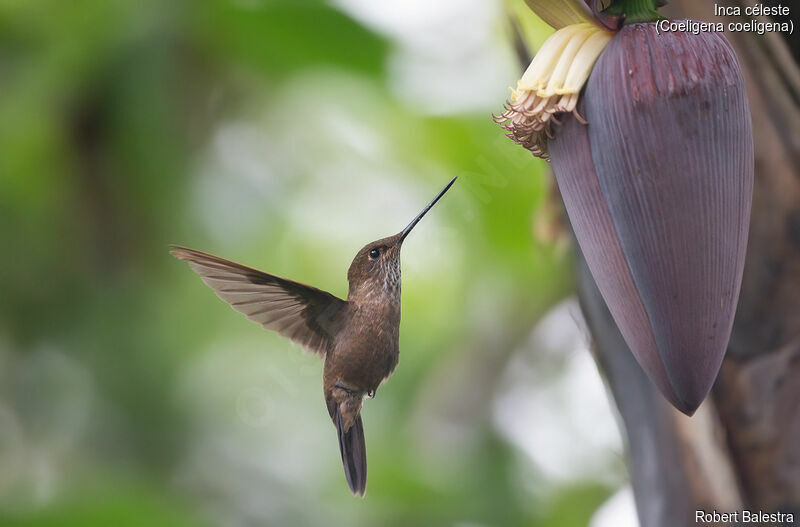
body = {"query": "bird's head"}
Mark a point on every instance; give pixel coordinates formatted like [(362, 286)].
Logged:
[(376, 268)]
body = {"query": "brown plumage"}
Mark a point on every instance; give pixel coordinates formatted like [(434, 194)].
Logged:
[(357, 337)]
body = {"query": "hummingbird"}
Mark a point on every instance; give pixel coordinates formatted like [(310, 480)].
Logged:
[(358, 338)]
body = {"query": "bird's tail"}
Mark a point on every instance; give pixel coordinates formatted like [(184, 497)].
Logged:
[(354, 453)]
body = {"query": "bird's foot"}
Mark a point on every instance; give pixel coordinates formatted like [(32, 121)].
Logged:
[(341, 386)]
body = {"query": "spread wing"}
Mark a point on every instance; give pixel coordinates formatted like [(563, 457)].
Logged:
[(302, 313)]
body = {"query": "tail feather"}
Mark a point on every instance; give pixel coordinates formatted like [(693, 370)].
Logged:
[(354, 454)]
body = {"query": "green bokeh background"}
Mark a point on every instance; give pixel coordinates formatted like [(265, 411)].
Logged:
[(273, 133)]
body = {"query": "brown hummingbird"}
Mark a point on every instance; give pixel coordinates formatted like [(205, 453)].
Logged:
[(357, 337)]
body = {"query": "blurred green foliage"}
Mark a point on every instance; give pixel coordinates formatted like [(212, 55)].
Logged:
[(110, 118)]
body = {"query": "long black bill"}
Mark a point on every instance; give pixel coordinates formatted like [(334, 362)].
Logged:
[(411, 225)]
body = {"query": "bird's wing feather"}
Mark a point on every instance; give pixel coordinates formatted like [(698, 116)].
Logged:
[(305, 314)]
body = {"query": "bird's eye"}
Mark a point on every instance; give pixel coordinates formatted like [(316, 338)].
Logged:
[(374, 253)]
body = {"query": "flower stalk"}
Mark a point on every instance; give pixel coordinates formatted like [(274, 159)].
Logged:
[(636, 11)]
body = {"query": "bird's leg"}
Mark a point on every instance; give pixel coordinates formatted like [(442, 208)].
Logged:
[(352, 391), (341, 386)]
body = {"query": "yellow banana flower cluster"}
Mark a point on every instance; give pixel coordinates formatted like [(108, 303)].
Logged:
[(552, 83)]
